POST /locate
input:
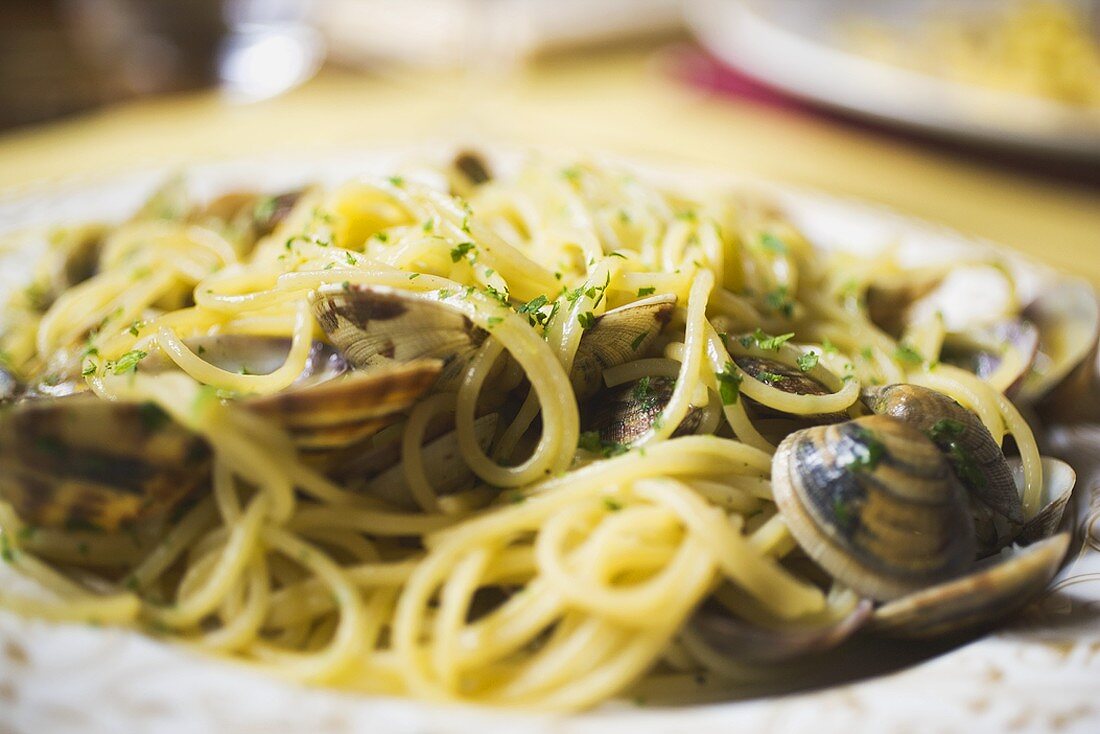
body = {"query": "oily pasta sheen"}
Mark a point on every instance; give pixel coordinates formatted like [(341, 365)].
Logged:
[(486, 543)]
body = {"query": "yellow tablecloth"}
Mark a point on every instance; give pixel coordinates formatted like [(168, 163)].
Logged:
[(618, 101)]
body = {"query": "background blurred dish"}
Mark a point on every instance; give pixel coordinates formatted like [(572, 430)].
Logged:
[(808, 50)]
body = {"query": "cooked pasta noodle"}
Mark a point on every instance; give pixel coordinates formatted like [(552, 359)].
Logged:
[(530, 563)]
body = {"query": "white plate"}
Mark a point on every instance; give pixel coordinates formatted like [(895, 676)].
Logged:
[(69, 678), (785, 48)]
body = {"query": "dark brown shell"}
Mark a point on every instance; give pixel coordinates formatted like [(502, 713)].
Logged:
[(87, 462), (996, 590), (744, 642), (984, 350), (622, 414), (789, 379), (874, 502), (999, 511)]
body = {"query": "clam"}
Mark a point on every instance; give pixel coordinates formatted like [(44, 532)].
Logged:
[(1058, 482), (744, 642), (876, 504), (374, 325), (329, 406), (889, 299), (82, 461), (624, 413), (618, 336), (994, 589), (789, 379), (972, 452), (246, 216), (1000, 353), (1064, 379)]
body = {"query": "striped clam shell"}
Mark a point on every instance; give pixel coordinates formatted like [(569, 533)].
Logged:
[(971, 450), (994, 590), (875, 504), (622, 414), (81, 461)]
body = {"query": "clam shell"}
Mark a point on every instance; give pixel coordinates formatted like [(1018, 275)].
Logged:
[(747, 643), (341, 412), (874, 503), (987, 348), (1003, 586), (1063, 380), (790, 380), (617, 337), (622, 414), (376, 325), (1059, 479), (83, 461), (924, 409)]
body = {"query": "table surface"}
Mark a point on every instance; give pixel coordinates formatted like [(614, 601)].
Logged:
[(625, 101)]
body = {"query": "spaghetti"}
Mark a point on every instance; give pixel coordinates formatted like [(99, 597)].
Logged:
[(564, 567)]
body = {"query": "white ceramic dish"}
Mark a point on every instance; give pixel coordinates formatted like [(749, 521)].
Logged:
[(784, 48), (1040, 674)]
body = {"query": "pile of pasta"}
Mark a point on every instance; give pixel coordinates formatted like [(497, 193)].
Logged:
[(569, 569)]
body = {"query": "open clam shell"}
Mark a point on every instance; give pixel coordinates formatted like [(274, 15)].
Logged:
[(1059, 479), (375, 325), (789, 379), (1000, 353), (996, 589), (747, 643), (624, 413), (86, 462), (1064, 378), (346, 410), (617, 337), (874, 502)]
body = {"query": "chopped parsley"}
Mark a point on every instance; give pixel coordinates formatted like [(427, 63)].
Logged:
[(89, 369), (729, 384), (866, 450), (494, 320), (644, 393), (771, 243), (637, 342), (128, 362), (647, 290), (461, 250), (586, 319), (532, 309), (766, 341), (7, 553), (768, 378), (500, 297), (780, 301), (590, 441), (612, 504), (907, 354), (807, 361), (396, 181)]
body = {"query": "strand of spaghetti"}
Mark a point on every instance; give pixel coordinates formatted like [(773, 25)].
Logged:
[(240, 547), (277, 380)]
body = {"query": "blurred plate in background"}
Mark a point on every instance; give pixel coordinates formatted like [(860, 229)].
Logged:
[(807, 50)]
